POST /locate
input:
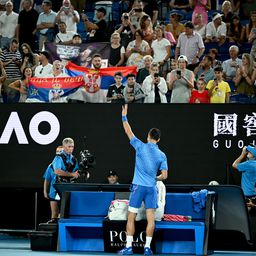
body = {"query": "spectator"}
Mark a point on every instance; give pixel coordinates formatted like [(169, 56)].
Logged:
[(146, 27), (26, 28), (181, 5), (45, 68), (77, 40), (191, 45), (136, 49), (57, 69), (200, 95), (69, 16), (117, 51), (2, 78), (29, 59), (64, 36), (125, 29), (154, 86), (46, 24), (136, 13), (219, 90), (8, 24), (251, 25), (235, 6), (151, 8), (213, 52), (227, 13), (204, 70), (22, 85), (199, 26), (200, 7), (247, 7), (144, 72), (161, 50), (116, 91), (112, 178), (168, 35), (133, 92), (236, 32), (175, 27), (11, 59), (231, 65), (97, 31), (245, 76), (216, 30), (181, 82)]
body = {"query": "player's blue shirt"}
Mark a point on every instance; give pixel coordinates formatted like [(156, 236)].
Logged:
[(149, 159), (248, 169)]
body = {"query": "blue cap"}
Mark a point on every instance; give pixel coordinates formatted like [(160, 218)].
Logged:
[(251, 150)]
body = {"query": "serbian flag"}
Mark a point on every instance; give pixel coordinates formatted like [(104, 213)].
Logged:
[(97, 82), (53, 89)]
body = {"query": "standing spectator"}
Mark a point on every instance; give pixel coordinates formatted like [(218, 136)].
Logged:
[(116, 91), (8, 24), (117, 51), (200, 95), (236, 32), (204, 70), (161, 50), (151, 8), (45, 68), (191, 45), (97, 31), (245, 76), (22, 85), (226, 11), (200, 7), (231, 65), (181, 82), (64, 36), (11, 59), (216, 30), (69, 15), (146, 27), (29, 59), (136, 13), (199, 26), (154, 86), (133, 92), (46, 24), (175, 27), (125, 29), (236, 6), (79, 5), (219, 90), (58, 69), (144, 72), (136, 50), (27, 24)]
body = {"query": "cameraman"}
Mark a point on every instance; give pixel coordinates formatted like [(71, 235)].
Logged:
[(246, 163)]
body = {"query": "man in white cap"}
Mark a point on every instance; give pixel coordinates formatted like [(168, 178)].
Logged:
[(216, 30), (246, 164)]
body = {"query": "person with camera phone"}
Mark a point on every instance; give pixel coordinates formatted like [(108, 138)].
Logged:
[(246, 164), (136, 13), (154, 86), (69, 15), (181, 82)]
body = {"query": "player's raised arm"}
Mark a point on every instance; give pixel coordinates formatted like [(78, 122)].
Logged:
[(127, 127)]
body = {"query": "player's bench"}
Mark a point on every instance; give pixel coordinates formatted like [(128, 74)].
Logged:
[(81, 225)]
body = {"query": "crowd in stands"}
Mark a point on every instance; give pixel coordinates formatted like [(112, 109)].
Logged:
[(186, 51)]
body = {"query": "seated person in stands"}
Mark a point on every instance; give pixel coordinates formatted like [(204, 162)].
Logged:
[(175, 27), (116, 91), (204, 70), (219, 90), (117, 51), (236, 31), (199, 95), (199, 26), (245, 76), (181, 5), (216, 30), (64, 36), (213, 52), (125, 29), (231, 65), (252, 24), (112, 178), (252, 35), (226, 11), (144, 72)]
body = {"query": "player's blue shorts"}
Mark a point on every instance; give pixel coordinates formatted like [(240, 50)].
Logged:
[(140, 194)]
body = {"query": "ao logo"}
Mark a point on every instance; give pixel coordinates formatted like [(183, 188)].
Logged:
[(14, 125)]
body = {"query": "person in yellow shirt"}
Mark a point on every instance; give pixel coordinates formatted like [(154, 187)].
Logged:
[(219, 90)]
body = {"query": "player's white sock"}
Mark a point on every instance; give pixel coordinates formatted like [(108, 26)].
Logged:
[(129, 241), (148, 241)]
